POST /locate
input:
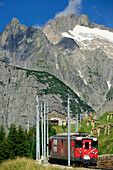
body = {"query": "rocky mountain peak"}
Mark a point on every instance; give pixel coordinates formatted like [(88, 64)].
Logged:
[(72, 56), (67, 43), (84, 20), (15, 21), (14, 25)]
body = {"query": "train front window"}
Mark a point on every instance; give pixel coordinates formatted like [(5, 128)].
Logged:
[(78, 144), (86, 145), (94, 144)]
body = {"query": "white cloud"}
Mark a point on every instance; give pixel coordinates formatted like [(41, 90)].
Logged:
[(74, 7), (37, 26)]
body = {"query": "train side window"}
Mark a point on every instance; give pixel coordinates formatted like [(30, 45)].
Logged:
[(54, 141), (54, 148), (54, 145), (78, 144), (94, 144), (86, 145)]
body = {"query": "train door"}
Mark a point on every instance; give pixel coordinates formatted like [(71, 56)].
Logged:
[(86, 149), (62, 148)]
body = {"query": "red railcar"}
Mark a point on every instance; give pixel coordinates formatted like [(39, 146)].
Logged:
[(83, 148)]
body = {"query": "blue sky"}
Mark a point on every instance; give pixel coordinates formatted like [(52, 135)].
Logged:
[(39, 12)]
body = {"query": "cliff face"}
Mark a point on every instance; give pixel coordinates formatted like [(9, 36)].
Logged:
[(55, 28), (82, 60), (25, 47), (18, 90)]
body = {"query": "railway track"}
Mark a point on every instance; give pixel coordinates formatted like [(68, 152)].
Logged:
[(92, 167), (81, 167)]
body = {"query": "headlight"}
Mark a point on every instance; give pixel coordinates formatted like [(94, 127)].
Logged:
[(93, 152), (80, 151)]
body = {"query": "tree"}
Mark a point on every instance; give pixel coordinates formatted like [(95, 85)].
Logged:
[(11, 139), (32, 141), (2, 133), (22, 144), (3, 145)]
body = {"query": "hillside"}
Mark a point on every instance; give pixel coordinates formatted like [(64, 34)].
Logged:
[(83, 61), (105, 141), (24, 163), (18, 90)]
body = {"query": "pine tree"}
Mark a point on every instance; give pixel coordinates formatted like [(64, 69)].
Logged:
[(2, 133), (11, 139), (22, 148), (32, 140), (52, 131), (3, 145)]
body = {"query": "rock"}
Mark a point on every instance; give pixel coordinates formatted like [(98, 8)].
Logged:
[(67, 43), (86, 67), (84, 20)]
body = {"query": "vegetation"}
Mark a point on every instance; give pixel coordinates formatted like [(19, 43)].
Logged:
[(23, 164), (105, 142), (1, 83), (110, 93), (59, 129), (57, 87), (19, 143)]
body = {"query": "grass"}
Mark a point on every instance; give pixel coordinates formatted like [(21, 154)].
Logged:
[(105, 142), (23, 164), (56, 86), (59, 129)]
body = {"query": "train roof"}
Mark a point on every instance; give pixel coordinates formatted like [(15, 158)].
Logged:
[(71, 134), (79, 136)]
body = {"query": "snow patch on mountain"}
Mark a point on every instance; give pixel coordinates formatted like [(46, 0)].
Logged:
[(85, 82), (80, 74), (109, 85), (81, 33)]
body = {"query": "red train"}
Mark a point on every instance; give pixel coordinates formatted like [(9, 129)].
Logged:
[(83, 148)]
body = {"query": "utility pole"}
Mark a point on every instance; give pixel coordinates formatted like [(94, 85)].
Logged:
[(76, 122), (68, 132), (28, 126), (47, 133), (37, 128), (44, 131), (80, 120)]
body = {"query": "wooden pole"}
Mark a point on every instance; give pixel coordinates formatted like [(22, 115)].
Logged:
[(93, 123), (98, 131), (107, 116), (87, 123), (105, 129), (108, 130)]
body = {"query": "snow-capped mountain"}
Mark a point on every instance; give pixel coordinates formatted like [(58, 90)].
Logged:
[(92, 38), (73, 49), (89, 54)]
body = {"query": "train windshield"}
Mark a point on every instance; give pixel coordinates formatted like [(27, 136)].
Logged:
[(78, 144), (94, 144)]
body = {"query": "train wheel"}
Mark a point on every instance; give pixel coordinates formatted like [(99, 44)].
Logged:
[(73, 164), (81, 164)]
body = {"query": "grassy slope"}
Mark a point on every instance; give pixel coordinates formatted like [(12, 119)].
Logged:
[(57, 87), (59, 129), (105, 142), (23, 164)]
